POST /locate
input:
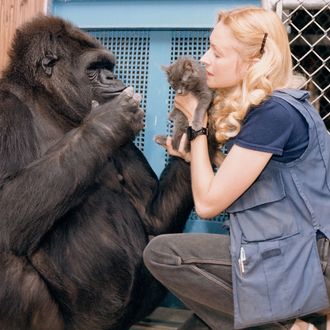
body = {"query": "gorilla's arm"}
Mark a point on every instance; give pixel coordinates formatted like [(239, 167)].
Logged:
[(172, 202), (35, 192), (165, 204)]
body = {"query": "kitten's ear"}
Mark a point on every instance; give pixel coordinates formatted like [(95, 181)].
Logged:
[(165, 68), (188, 65)]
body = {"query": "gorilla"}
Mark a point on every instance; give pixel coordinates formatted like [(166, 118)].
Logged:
[(78, 200)]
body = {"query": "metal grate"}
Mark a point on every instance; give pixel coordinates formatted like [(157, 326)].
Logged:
[(308, 25), (131, 48)]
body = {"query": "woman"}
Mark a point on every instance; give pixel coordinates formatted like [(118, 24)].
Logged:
[(274, 182)]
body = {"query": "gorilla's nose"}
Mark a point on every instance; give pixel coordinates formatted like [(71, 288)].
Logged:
[(106, 76)]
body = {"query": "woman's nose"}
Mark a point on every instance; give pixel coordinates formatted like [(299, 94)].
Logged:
[(205, 58)]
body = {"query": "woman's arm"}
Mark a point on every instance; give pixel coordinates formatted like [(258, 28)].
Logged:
[(213, 193)]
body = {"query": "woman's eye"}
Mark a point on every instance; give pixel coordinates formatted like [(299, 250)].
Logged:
[(216, 54)]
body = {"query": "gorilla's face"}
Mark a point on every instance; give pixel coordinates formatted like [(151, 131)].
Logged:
[(68, 64), (90, 66), (99, 66)]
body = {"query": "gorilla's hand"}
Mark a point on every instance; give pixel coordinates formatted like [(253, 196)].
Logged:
[(119, 119)]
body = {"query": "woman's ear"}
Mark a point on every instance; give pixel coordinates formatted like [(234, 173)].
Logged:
[(252, 62), (255, 60), (246, 65)]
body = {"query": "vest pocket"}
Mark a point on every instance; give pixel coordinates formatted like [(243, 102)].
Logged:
[(263, 211), (281, 279), (268, 188)]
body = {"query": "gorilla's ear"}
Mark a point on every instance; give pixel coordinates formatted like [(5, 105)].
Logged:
[(48, 63)]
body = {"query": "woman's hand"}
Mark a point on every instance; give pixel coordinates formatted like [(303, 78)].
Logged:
[(187, 104), (180, 152)]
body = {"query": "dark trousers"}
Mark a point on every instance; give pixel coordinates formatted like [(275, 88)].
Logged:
[(197, 269)]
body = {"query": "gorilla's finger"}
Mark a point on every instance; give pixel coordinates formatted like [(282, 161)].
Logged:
[(134, 100), (138, 123), (137, 98), (128, 92), (134, 107), (95, 104), (140, 115), (135, 115)]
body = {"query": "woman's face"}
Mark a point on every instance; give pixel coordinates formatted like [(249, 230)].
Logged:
[(223, 62)]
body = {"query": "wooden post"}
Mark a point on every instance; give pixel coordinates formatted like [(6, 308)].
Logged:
[(12, 14)]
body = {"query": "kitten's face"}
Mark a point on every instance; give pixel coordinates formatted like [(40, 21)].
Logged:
[(183, 75)]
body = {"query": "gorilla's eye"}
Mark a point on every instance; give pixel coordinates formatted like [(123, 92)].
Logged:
[(52, 63)]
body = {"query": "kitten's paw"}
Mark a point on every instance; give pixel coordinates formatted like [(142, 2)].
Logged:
[(179, 144), (197, 125), (161, 140)]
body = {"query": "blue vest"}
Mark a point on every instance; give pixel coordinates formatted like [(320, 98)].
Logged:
[(276, 268)]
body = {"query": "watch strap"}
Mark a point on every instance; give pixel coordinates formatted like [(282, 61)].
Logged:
[(192, 134)]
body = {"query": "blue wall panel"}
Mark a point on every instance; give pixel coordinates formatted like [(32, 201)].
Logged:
[(157, 97), (144, 13)]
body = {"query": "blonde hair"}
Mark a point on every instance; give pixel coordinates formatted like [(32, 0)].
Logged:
[(272, 71)]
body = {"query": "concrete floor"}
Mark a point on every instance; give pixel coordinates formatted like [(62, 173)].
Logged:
[(163, 319)]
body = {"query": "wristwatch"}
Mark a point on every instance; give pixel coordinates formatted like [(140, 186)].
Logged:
[(192, 134)]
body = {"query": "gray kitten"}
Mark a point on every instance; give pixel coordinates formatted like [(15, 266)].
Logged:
[(185, 76)]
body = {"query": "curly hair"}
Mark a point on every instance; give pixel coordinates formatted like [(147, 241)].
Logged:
[(265, 43)]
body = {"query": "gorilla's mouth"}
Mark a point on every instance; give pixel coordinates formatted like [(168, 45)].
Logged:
[(105, 83)]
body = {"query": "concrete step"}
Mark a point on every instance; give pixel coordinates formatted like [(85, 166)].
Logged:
[(163, 319)]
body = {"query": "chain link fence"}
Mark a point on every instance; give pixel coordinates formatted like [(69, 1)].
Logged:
[(308, 26)]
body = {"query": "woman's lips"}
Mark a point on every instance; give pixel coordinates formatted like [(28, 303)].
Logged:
[(209, 74)]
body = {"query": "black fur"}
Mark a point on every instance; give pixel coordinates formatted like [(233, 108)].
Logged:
[(78, 200)]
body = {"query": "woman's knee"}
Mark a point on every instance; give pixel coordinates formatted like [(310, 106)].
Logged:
[(159, 253)]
